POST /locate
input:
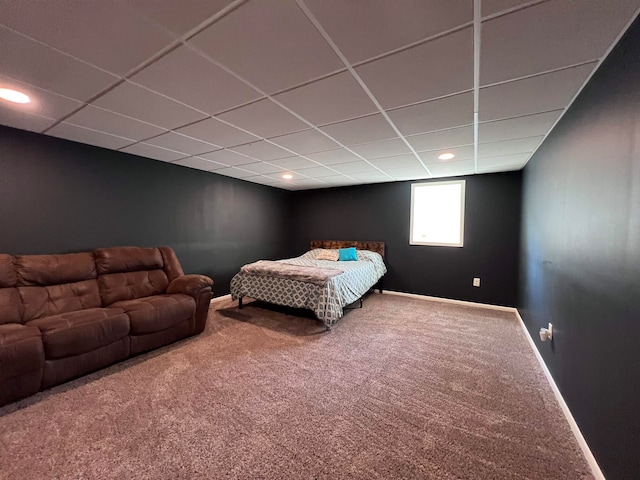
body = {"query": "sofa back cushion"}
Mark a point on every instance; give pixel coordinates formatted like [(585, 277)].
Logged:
[(126, 273), (172, 266), (54, 284), (10, 306)]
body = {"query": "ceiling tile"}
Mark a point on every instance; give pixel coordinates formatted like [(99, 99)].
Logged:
[(361, 130), (338, 180), (532, 95), (453, 137), (500, 169), (371, 177), (271, 43), (113, 123), (262, 150), (263, 168), (332, 99), (109, 35), (381, 25), (228, 157), (409, 76), (332, 157), (200, 164), (307, 141), (519, 127), (549, 35), (386, 148), (234, 172), (267, 180), (68, 76), (408, 173), (182, 143), (214, 131), (43, 102), (179, 18), (317, 172), (489, 7), (398, 161), (264, 118), (508, 147), (90, 137), (190, 78), (137, 102), (294, 163), (214, 165), (151, 151), (353, 167), (453, 111), (461, 153), (25, 121), (448, 169), (517, 160), (304, 181)]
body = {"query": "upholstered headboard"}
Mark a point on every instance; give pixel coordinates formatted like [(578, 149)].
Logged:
[(377, 247)]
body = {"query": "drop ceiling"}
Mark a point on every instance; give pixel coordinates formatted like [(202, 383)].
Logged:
[(334, 92)]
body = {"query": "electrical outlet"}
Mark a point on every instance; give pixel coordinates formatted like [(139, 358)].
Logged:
[(476, 281)]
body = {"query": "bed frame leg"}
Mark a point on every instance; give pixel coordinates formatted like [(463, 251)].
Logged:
[(240, 303), (361, 302), (327, 328)]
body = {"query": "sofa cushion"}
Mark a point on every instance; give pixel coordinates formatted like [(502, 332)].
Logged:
[(156, 313), (172, 266), (116, 287), (10, 306), (43, 270), (42, 302), (73, 333), (127, 259), (20, 350), (54, 284), (7, 273)]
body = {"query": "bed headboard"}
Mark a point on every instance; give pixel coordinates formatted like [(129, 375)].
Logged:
[(377, 247)]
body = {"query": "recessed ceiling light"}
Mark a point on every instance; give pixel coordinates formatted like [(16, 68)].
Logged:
[(287, 176), (446, 156), (14, 96)]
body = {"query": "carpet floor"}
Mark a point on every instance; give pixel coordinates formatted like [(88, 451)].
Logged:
[(402, 388)]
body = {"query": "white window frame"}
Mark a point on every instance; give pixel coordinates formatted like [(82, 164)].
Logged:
[(462, 201)]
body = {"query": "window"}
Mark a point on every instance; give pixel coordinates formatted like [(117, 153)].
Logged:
[(437, 213)]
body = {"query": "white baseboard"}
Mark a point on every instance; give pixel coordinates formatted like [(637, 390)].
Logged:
[(586, 451), (449, 300)]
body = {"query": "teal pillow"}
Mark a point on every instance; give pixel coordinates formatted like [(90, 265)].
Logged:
[(348, 254)]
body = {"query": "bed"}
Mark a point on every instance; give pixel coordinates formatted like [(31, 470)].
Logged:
[(323, 286)]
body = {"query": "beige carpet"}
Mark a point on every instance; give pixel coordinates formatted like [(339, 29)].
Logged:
[(403, 388)]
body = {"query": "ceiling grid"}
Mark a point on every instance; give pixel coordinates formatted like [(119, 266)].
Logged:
[(333, 93)]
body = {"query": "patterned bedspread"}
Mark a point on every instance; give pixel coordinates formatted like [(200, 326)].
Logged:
[(326, 300)]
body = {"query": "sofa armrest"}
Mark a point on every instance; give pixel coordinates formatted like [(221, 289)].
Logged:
[(189, 284)]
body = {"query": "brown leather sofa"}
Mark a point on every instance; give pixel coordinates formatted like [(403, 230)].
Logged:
[(62, 316)]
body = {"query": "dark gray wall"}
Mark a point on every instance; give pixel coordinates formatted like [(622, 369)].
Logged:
[(580, 259), (381, 212), (59, 196)]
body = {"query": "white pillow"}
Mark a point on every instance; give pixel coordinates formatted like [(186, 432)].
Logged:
[(326, 254)]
